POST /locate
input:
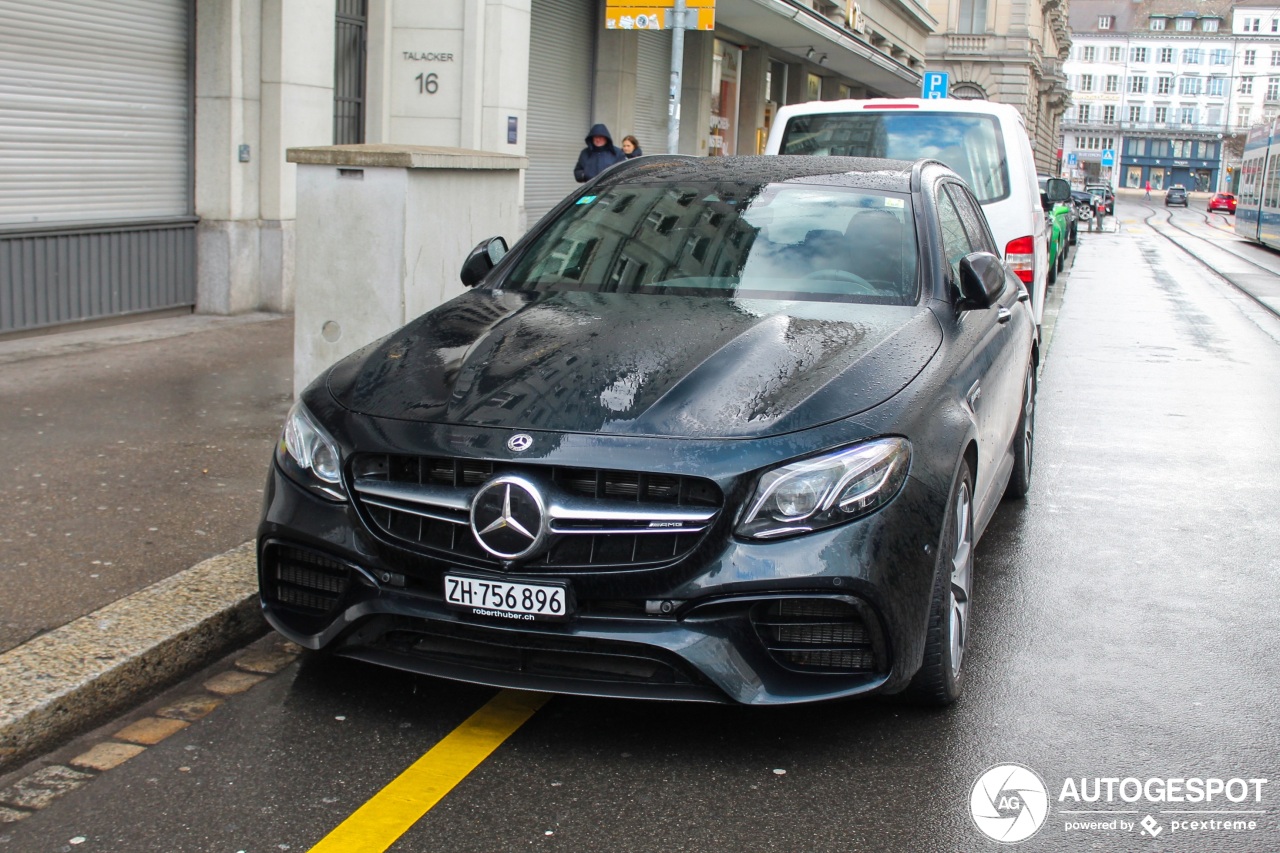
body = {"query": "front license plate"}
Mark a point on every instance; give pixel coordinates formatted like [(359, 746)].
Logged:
[(507, 600)]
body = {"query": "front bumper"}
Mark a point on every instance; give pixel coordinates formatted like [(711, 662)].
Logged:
[(706, 628)]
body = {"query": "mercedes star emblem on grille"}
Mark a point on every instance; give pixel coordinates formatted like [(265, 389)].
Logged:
[(520, 442), (508, 518)]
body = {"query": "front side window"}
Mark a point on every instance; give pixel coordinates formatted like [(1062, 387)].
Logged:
[(1115, 53), (1104, 22), (1086, 82), (1083, 113), (1166, 54), (1135, 116), (1138, 85), (1088, 53), (1189, 86), (1161, 115), (1209, 25), (969, 143), (1250, 57), (1138, 54), (1221, 56), (955, 242), (1113, 83), (1164, 85), (1193, 56), (1157, 23), (1109, 114), (1187, 115), (1183, 25), (728, 239), (1273, 88), (1217, 87)]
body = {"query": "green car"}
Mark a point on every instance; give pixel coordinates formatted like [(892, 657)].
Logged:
[(1059, 219)]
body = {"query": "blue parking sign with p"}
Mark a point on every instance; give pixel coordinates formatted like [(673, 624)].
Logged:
[(933, 85)]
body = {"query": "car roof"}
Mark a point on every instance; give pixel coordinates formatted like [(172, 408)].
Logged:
[(864, 172)]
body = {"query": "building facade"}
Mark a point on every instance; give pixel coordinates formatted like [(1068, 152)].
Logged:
[(1171, 90), (1010, 52), (159, 180)]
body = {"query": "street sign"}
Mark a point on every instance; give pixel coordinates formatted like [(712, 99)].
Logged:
[(933, 85), (656, 15), (1072, 159), (1108, 157)]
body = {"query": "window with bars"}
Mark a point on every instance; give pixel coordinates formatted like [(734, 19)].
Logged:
[(349, 71)]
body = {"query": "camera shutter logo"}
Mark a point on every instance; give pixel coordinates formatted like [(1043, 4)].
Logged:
[(1009, 803)]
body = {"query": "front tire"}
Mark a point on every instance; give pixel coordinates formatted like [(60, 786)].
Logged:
[(940, 680), (1024, 440)]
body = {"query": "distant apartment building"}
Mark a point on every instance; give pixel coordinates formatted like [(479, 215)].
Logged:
[(1164, 91)]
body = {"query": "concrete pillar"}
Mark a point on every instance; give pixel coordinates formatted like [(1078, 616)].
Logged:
[(382, 232), (695, 93), (228, 110), (751, 98)]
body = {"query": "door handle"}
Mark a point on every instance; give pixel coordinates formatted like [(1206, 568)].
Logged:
[(1023, 296), (1004, 315)]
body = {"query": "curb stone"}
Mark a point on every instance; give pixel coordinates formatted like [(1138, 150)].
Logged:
[(98, 665)]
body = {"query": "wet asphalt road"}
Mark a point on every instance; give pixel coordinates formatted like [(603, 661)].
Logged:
[(1125, 627), (126, 464)]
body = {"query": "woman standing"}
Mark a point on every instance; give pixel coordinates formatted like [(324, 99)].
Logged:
[(631, 147)]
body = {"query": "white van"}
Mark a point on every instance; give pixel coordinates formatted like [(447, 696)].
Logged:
[(984, 142)]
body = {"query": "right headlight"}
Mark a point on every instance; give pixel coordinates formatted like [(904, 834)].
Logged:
[(309, 456), (811, 494)]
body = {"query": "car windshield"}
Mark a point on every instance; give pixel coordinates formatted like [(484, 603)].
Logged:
[(968, 143), (729, 239)]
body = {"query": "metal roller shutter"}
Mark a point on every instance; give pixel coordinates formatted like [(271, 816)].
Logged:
[(653, 90), (94, 111), (561, 48)]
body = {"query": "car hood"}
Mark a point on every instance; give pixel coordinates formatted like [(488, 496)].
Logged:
[(639, 365)]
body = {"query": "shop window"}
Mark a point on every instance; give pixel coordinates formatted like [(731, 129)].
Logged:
[(727, 61)]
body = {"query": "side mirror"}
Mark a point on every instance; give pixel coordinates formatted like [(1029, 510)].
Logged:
[(482, 259), (1057, 189), (982, 280)]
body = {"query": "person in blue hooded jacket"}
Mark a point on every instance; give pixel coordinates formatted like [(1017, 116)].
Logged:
[(599, 154)]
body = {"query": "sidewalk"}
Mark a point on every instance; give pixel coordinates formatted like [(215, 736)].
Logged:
[(132, 454)]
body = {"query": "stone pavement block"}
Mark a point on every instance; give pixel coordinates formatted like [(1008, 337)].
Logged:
[(105, 756), (12, 815), (267, 663), (150, 731), (43, 787), (190, 708), (229, 683)]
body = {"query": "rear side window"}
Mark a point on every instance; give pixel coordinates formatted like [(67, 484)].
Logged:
[(970, 144)]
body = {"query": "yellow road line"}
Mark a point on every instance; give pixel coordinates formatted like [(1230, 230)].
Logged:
[(377, 824)]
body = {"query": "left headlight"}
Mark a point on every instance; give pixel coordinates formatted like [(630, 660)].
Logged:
[(309, 456), (814, 493)]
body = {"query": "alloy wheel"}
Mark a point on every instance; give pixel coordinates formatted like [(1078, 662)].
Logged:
[(961, 574)]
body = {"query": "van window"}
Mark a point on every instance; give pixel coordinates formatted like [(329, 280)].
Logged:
[(968, 143)]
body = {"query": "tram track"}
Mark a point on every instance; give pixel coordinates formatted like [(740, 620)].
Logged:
[(1237, 279)]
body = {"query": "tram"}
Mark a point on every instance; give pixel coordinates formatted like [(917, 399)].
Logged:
[(1258, 200)]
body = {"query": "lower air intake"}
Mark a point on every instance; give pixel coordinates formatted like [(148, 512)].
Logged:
[(818, 635)]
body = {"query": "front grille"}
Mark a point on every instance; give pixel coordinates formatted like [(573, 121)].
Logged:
[(304, 580), (598, 518), (818, 635), (567, 657)]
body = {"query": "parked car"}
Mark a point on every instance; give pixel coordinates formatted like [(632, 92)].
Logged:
[(1176, 194), (1106, 198), (1061, 220), (721, 429), (985, 142), (1222, 201)]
